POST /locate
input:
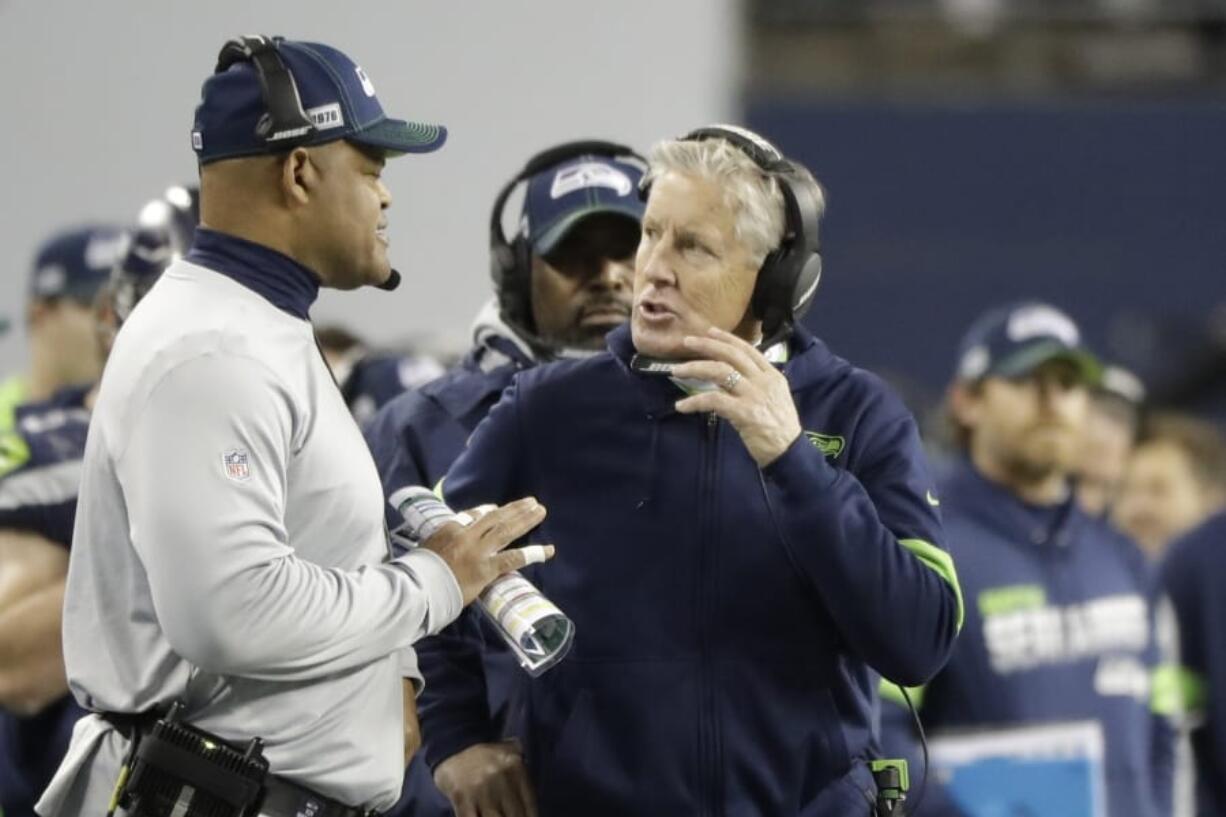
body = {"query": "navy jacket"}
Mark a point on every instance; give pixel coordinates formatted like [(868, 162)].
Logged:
[(726, 617), (1193, 577), (1059, 627), (414, 439), (40, 476)]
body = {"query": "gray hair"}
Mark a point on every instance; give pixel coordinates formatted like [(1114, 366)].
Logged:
[(753, 196)]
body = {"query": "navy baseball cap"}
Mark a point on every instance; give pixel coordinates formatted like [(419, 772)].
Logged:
[(335, 93), (76, 263), (558, 198), (1013, 341)]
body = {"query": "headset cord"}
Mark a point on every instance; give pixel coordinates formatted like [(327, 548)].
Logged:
[(919, 728)]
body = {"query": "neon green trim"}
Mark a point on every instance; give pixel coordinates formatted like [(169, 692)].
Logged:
[(998, 601), (14, 451), (942, 563), (12, 394), (904, 774), (831, 445), (1176, 690), (438, 488), (892, 692)]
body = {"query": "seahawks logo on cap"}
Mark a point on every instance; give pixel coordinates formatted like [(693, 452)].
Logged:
[(1042, 321), (102, 252), (367, 85), (589, 174)]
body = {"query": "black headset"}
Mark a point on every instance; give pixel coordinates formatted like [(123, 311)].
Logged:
[(285, 125), (511, 261), (788, 278)]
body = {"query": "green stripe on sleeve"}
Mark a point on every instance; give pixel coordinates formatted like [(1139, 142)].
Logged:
[(1177, 690), (942, 563), (14, 451), (892, 692)]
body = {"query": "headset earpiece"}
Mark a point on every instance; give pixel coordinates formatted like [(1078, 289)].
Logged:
[(285, 124), (789, 275)]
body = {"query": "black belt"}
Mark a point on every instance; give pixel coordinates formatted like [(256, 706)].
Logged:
[(285, 799), (279, 797)]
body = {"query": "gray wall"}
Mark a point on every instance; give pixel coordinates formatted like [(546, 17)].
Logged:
[(97, 101)]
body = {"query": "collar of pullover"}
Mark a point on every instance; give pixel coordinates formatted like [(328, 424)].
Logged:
[(279, 279)]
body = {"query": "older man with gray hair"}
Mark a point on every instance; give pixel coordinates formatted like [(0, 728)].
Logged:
[(746, 528)]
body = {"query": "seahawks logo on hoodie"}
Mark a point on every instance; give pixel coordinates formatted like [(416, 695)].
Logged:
[(831, 445)]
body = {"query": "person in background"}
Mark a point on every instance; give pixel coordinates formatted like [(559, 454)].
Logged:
[(1175, 479), (1193, 575), (38, 501), (568, 284), (369, 378), (1110, 432), (1059, 606), (68, 271)]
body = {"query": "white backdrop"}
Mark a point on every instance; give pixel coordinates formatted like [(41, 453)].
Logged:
[(96, 106)]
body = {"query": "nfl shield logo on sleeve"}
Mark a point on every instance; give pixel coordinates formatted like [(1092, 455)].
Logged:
[(236, 465)]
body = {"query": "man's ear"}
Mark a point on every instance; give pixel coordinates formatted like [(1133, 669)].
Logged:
[(106, 324), (963, 401), (36, 312), (299, 176)]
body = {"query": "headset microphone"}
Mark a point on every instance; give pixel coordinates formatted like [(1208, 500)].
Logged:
[(391, 283)]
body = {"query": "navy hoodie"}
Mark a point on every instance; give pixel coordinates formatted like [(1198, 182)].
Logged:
[(1193, 577), (1059, 627), (728, 619)]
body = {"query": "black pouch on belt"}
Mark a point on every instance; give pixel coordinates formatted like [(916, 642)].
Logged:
[(177, 770)]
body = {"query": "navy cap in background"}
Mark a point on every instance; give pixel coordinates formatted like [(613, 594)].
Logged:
[(560, 197), (336, 94), (76, 262), (1014, 340)]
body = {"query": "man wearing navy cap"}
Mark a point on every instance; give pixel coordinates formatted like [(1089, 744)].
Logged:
[(69, 269), (229, 553), (578, 230), (1059, 615)]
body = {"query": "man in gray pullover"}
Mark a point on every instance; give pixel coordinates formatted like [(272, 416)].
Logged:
[(230, 550)]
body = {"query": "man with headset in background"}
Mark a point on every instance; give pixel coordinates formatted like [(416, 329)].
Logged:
[(562, 283), (38, 502), (1060, 625), (232, 615), (69, 269), (743, 534)]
